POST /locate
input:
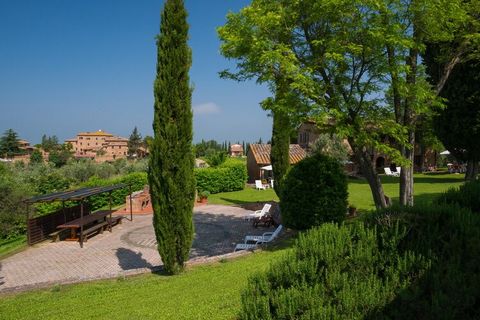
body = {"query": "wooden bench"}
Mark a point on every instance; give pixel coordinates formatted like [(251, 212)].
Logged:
[(96, 227), (115, 220), (55, 236)]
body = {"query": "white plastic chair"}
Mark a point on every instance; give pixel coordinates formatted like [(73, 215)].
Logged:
[(389, 172), (399, 170), (259, 213), (257, 240), (259, 185)]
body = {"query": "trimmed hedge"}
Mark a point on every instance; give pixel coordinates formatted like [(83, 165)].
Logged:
[(314, 191), (230, 176), (403, 263), (137, 181)]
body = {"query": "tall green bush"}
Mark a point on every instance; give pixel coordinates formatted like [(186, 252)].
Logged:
[(314, 192), (230, 176)]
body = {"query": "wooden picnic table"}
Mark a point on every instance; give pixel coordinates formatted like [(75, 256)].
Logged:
[(86, 220)]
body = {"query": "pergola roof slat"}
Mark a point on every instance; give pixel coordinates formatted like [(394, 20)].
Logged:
[(72, 195)]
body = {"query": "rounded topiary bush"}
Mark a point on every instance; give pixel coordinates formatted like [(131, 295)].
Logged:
[(314, 192)]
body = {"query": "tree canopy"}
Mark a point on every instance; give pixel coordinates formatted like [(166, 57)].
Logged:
[(9, 145), (352, 64)]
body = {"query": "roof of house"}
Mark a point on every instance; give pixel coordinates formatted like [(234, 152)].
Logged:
[(236, 148), (96, 133), (261, 153), (116, 138)]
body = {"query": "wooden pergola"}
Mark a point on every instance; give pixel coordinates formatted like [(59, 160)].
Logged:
[(38, 230)]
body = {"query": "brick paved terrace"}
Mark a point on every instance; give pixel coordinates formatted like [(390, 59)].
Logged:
[(129, 249)]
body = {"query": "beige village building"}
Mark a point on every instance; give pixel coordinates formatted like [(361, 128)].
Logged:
[(100, 146)]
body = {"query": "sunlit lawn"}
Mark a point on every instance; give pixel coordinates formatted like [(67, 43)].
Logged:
[(203, 292), (426, 188)]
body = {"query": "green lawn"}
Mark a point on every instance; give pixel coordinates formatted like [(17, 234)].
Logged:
[(247, 195), (11, 246), (426, 188), (203, 292)]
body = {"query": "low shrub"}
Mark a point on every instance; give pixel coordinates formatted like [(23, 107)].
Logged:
[(419, 262), (333, 273), (467, 196), (230, 176), (314, 192), (12, 212)]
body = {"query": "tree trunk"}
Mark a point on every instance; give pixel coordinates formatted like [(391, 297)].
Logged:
[(368, 170), (406, 174), (472, 170)]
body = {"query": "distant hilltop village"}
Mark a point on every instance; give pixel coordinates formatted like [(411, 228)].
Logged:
[(99, 146)]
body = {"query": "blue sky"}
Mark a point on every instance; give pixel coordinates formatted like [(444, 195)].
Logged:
[(71, 66)]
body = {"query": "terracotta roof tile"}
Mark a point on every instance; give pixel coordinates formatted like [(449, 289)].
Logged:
[(261, 152)]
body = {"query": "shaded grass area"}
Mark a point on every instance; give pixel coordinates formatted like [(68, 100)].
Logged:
[(12, 246), (203, 292), (427, 187)]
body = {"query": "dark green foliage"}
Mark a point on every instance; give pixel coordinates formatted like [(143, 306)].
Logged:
[(280, 152), (134, 143), (52, 182), (60, 156), (9, 144), (12, 213), (333, 273), (206, 148), (216, 158), (405, 263), (449, 237), (137, 181), (50, 143), (314, 192), (458, 125), (466, 196), (36, 157), (231, 176), (171, 177)]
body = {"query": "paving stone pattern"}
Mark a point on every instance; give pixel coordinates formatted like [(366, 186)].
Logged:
[(129, 249)]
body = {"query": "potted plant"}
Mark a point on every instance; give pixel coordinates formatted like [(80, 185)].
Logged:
[(203, 196)]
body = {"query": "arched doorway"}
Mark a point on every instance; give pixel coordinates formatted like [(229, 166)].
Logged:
[(380, 163)]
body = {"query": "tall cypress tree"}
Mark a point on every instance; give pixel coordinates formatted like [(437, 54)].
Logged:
[(171, 179)]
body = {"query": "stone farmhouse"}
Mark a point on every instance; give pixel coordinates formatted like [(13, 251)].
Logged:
[(308, 132)]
